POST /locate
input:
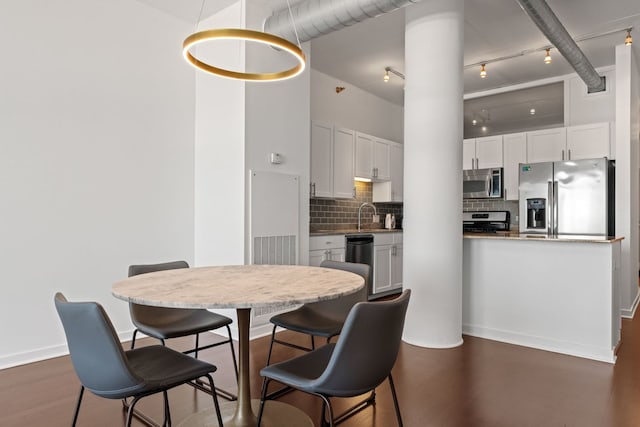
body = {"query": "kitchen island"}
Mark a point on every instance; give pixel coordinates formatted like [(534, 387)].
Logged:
[(553, 293)]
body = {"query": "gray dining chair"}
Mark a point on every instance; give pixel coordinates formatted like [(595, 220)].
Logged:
[(324, 318), (163, 323), (106, 370), (359, 362)]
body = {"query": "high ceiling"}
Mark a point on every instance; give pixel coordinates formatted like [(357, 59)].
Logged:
[(493, 29)]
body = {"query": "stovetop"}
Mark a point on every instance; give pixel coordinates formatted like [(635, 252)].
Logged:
[(485, 221)]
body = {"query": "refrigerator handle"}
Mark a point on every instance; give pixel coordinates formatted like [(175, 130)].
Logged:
[(555, 208), (549, 213)]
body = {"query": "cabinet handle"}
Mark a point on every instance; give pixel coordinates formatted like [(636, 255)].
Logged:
[(477, 167), (569, 154), (505, 194), (562, 154), (354, 192)]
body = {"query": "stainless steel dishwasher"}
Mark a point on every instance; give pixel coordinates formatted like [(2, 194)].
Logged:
[(360, 250)]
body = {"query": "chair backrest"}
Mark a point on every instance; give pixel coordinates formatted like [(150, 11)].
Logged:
[(367, 348), (143, 314), (96, 353), (134, 270), (339, 308)]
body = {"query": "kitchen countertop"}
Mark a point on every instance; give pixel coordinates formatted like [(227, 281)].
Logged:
[(354, 231), (514, 235)]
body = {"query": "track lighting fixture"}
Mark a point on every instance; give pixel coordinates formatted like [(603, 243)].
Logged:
[(388, 70), (547, 59), (483, 72)]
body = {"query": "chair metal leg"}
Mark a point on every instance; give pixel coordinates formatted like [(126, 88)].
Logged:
[(197, 345), (167, 413), (77, 411), (131, 410), (233, 352), (215, 400), (326, 403), (368, 401), (395, 400), (313, 343), (273, 337), (133, 340), (263, 398)]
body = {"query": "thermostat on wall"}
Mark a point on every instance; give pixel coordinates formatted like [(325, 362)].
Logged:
[(276, 159)]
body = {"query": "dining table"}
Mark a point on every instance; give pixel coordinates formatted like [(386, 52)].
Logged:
[(243, 288)]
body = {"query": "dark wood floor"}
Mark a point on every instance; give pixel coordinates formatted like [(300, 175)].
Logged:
[(481, 383)]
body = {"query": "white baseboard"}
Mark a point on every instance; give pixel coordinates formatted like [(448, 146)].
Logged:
[(40, 354), (629, 313), (563, 347)]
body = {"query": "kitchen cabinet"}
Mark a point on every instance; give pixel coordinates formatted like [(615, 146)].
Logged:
[(570, 143), (332, 163), (392, 190), (547, 145), (481, 153), (388, 254), (515, 152), (371, 157), (588, 141), (323, 248)]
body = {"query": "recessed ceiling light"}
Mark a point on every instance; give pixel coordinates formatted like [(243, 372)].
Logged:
[(484, 128), (532, 111)]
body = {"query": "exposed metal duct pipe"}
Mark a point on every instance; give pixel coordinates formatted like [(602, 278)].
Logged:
[(542, 15), (314, 18)]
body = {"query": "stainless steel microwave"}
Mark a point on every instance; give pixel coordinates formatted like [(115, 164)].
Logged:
[(482, 183)]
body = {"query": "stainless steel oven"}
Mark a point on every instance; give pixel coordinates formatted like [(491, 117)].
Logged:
[(482, 183)]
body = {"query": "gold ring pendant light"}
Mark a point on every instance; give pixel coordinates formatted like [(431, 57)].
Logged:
[(247, 35)]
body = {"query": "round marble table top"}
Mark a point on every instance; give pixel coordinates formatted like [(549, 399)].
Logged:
[(237, 286)]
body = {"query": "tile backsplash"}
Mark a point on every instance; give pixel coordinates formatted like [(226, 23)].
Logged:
[(342, 214)]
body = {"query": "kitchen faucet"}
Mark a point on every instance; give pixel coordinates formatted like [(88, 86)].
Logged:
[(375, 211)]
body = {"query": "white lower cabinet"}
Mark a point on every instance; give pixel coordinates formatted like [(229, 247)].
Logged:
[(323, 248), (387, 250)]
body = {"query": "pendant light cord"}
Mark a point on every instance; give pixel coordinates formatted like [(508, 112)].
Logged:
[(199, 16), (293, 24)]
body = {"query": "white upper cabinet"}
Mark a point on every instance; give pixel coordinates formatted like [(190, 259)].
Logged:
[(332, 162), (321, 160), (515, 152), (588, 141), (372, 157), (364, 155), (481, 153), (489, 152), (381, 166), (469, 154), (343, 162), (547, 145), (392, 190), (570, 143)]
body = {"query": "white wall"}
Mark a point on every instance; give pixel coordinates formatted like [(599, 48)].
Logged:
[(627, 125), (581, 107), (220, 150), (96, 158), (354, 108)]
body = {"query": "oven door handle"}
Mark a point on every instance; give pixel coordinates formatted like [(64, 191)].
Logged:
[(490, 187)]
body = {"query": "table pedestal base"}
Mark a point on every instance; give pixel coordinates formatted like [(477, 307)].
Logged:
[(276, 414)]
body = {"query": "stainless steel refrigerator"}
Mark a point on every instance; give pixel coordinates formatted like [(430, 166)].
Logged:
[(574, 197)]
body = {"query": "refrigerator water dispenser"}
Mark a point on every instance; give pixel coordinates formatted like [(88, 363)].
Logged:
[(536, 213)]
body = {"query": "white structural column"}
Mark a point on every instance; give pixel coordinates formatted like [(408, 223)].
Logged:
[(433, 179)]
